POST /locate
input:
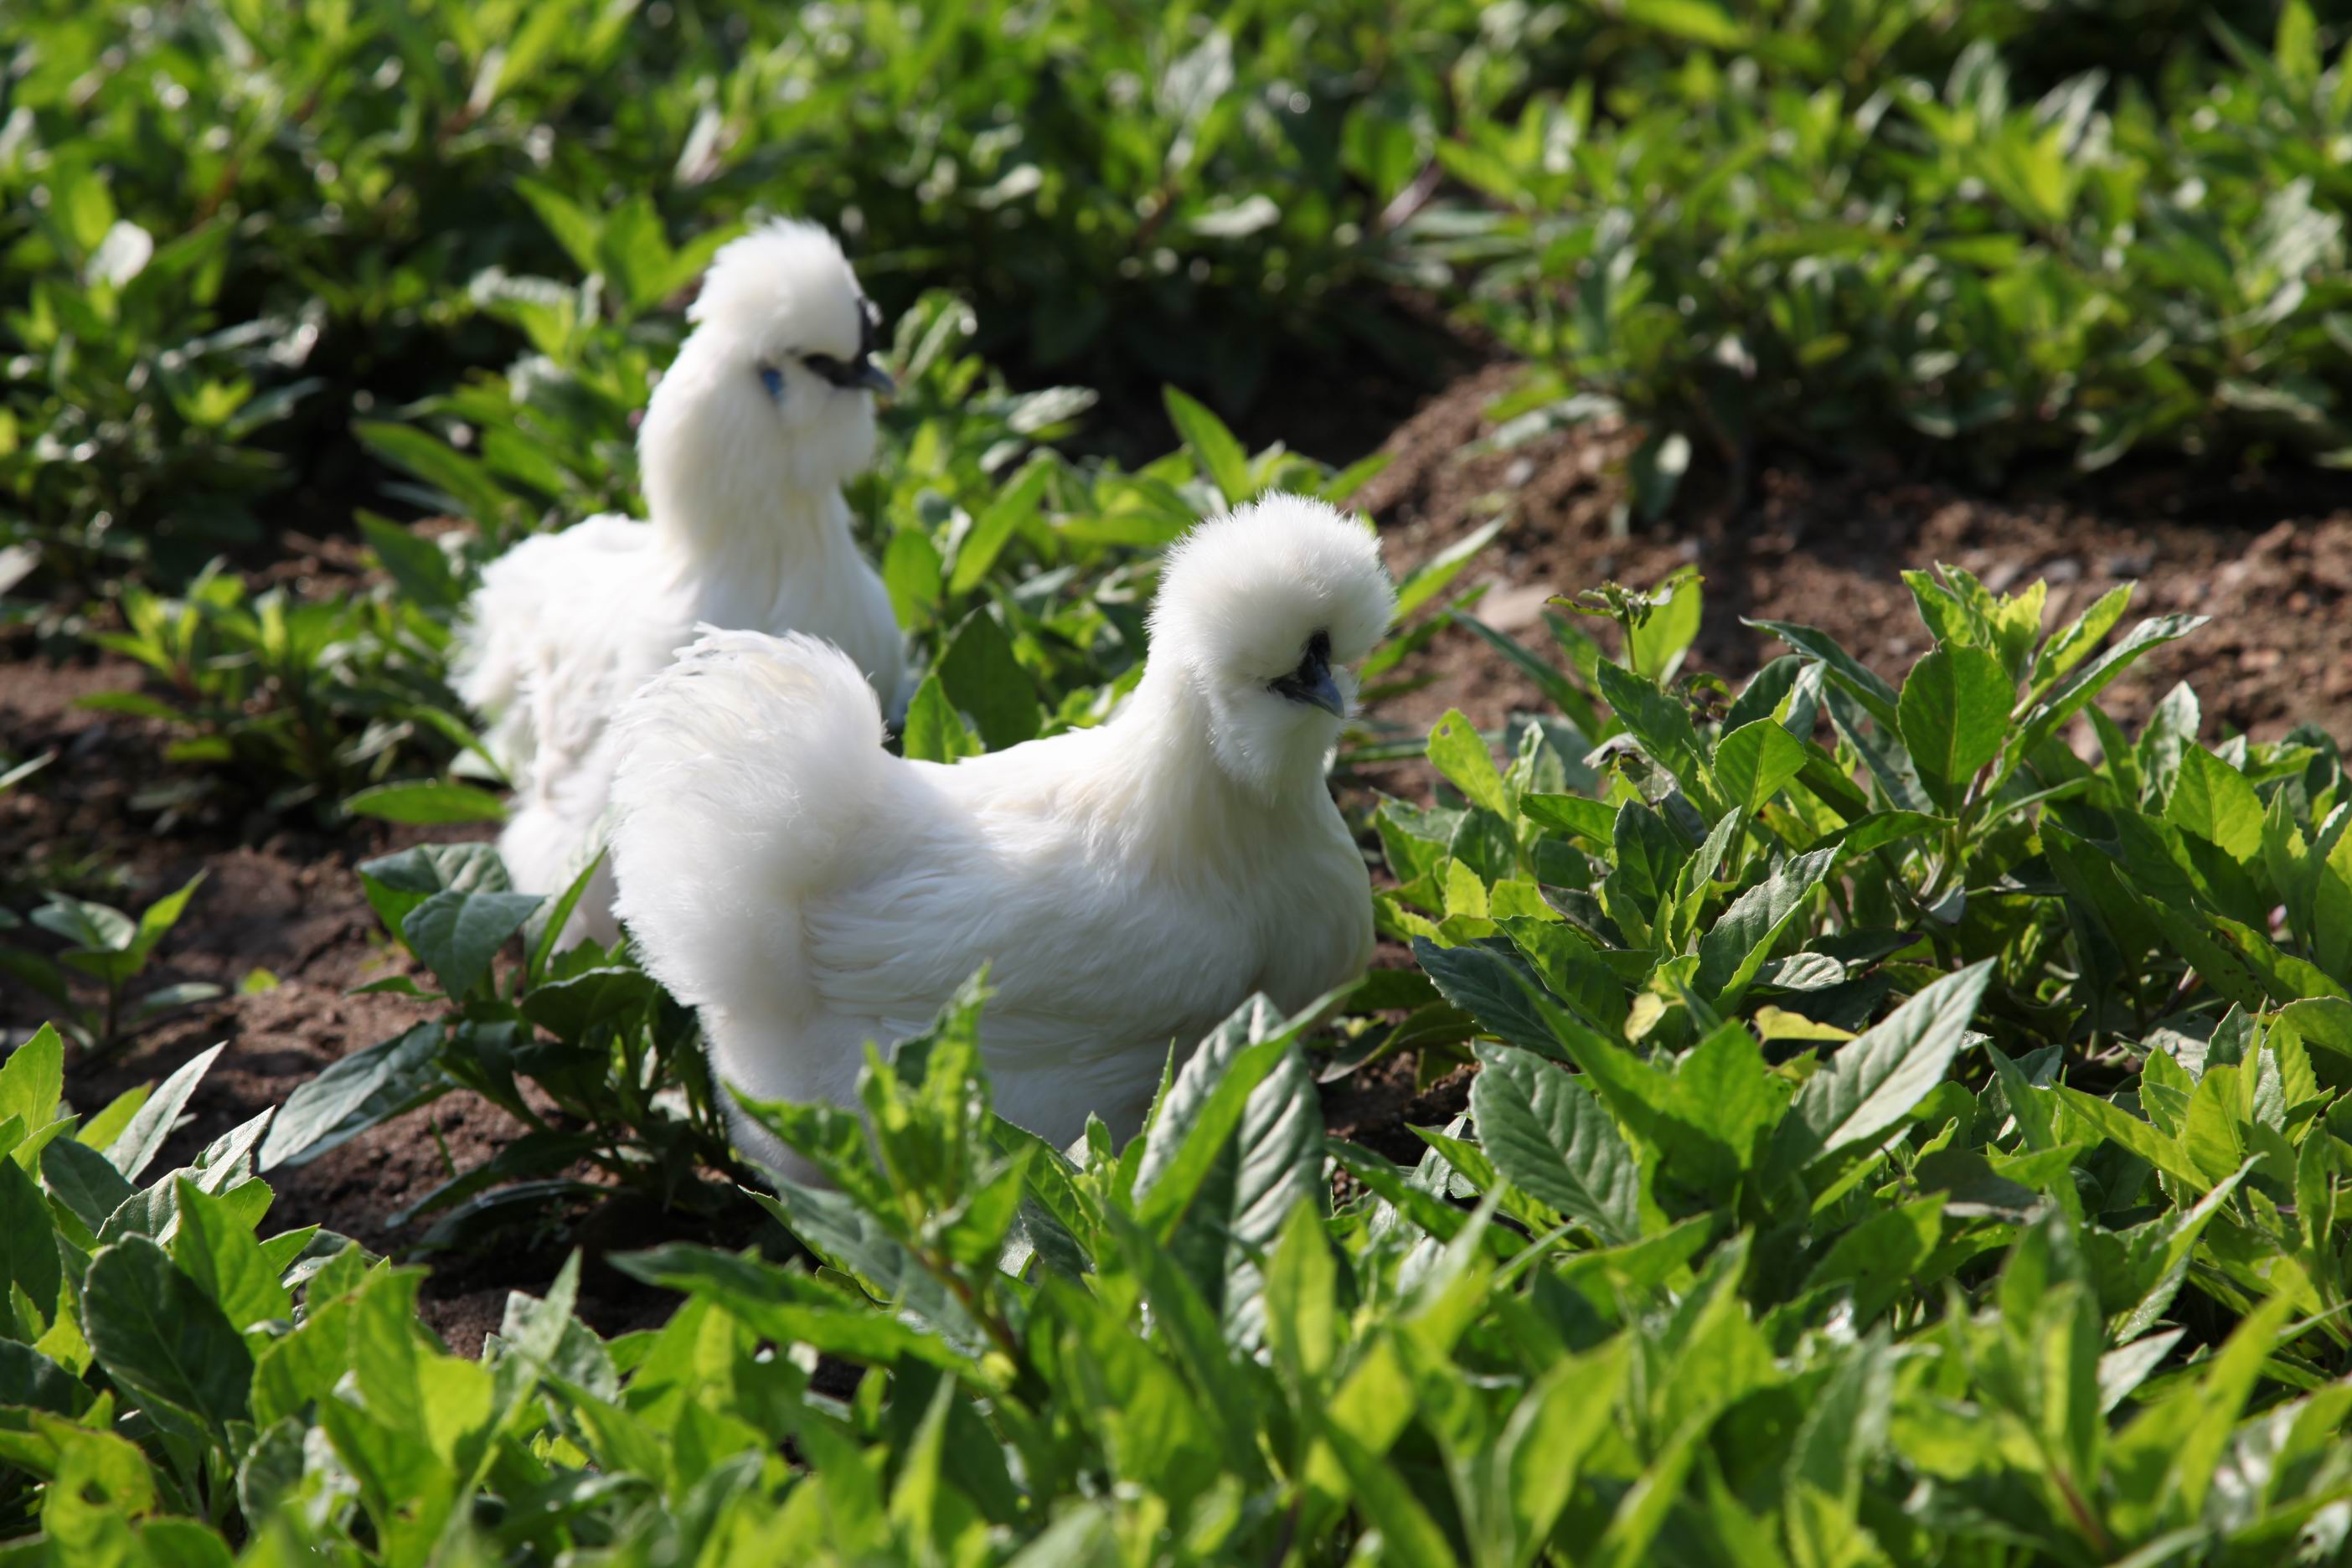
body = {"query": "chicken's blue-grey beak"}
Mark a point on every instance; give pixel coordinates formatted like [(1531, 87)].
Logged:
[(875, 379), (1311, 683)]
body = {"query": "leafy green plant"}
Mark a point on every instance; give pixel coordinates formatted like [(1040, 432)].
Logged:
[(1919, 1345), (309, 699), (602, 1071), (1835, 241), (105, 947)]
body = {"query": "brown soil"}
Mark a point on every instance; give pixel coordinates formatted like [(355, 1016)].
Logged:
[(2273, 567), (2270, 563)]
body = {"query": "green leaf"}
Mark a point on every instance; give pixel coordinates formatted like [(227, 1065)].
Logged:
[(911, 574), (1221, 456), (1457, 752), (2067, 646), (162, 1338), (1302, 1319), (395, 884), (29, 1379), (982, 678), (456, 934), (353, 1094), (1877, 1077), (28, 1240), (2213, 800), (1754, 760), (2084, 684), (1656, 648), (1742, 938), (934, 731), (1490, 986), (143, 1135), (1234, 1143), (33, 1079), (218, 1251), (1426, 582), (428, 800), (469, 487), (1660, 723), (1014, 505), (1549, 1137), (1845, 1425), (1877, 698), (1953, 715), (85, 1180), (1699, 21)]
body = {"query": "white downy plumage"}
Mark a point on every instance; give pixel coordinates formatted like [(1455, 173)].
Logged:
[(767, 409), (1127, 885)]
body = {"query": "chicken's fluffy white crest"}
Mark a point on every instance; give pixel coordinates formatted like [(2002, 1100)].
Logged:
[(1128, 886), (766, 410)]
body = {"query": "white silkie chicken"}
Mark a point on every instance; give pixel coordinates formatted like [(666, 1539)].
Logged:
[(767, 409), (1128, 886)]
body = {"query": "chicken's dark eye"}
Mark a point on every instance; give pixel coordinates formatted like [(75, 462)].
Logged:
[(772, 379)]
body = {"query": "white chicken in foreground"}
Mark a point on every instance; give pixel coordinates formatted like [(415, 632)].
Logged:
[(1129, 885), (767, 409)]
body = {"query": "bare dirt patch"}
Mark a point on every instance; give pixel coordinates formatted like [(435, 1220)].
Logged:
[(2270, 563)]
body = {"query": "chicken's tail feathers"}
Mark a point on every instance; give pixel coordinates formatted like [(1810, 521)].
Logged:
[(749, 769)]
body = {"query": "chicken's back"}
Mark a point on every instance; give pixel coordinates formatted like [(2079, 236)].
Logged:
[(536, 649)]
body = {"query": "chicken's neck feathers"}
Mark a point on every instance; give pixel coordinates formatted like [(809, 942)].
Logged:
[(1161, 795), (738, 574)]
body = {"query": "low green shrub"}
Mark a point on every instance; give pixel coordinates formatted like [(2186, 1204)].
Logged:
[(1890, 1146), (1796, 236)]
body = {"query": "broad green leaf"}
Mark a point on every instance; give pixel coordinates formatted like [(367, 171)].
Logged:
[(1302, 1322), (1656, 648), (1877, 698), (1549, 1137), (1489, 986), (1754, 760), (1549, 1433), (982, 678), (2069, 695), (353, 1094), (85, 1180), (33, 1079), (1742, 938), (456, 934), (1660, 723), (1954, 714), (1221, 456), (2069, 645), (1014, 505), (428, 800), (1456, 750), (934, 731), (28, 1241), (1426, 582), (2213, 800), (1877, 1077), (162, 1338), (396, 884), (143, 1135), (218, 1251)]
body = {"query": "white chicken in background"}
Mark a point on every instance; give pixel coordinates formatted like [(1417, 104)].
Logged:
[(767, 410), (1128, 886)]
